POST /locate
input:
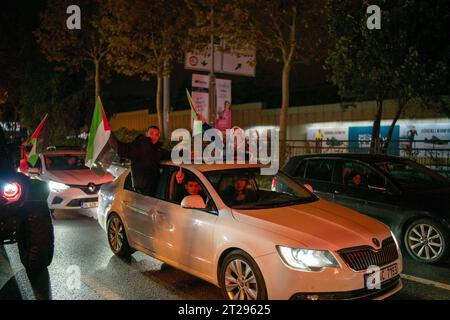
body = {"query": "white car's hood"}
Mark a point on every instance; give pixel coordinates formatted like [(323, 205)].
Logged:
[(318, 225), (77, 177)]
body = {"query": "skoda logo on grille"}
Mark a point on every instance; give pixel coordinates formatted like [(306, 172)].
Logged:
[(91, 187), (376, 242)]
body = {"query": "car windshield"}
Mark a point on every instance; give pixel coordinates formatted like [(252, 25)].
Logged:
[(249, 189), (411, 175), (65, 162)]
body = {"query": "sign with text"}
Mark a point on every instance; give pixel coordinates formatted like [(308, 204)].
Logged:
[(223, 98), (200, 95), (237, 62)]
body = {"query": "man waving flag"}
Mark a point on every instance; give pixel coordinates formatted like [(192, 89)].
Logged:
[(33, 155), (98, 135)]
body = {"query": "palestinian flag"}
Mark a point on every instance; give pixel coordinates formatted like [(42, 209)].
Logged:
[(98, 135), (197, 115), (33, 155)]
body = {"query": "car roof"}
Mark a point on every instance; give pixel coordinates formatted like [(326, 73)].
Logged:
[(203, 167), (63, 152), (365, 157)]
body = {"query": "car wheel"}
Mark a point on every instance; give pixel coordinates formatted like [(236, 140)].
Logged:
[(426, 241), (240, 278), (36, 243), (117, 237)]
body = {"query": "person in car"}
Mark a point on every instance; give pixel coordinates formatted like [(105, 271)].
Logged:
[(356, 179), (191, 188), (240, 193), (71, 162)]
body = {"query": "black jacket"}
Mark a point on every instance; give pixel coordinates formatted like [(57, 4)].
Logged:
[(145, 158)]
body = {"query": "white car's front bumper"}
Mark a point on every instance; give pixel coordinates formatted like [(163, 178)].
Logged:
[(284, 283), (72, 198)]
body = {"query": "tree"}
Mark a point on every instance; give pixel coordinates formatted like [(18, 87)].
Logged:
[(392, 62), (285, 31), (75, 50), (63, 96), (145, 38), (421, 56)]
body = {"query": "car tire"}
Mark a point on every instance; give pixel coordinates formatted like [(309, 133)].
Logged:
[(240, 278), (427, 241), (36, 242), (117, 238)]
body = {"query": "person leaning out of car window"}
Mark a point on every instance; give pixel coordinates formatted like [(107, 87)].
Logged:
[(145, 153)]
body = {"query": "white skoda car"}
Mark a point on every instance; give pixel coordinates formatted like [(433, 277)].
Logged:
[(254, 236)]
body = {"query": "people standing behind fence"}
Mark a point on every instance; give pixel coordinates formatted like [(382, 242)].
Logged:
[(319, 140), (411, 135)]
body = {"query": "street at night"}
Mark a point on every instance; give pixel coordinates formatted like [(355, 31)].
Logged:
[(211, 151), (79, 241)]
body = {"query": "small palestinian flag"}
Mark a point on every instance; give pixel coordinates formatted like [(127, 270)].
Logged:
[(33, 155), (98, 135), (197, 115)]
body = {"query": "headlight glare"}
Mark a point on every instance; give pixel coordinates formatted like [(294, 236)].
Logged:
[(57, 186), (307, 259)]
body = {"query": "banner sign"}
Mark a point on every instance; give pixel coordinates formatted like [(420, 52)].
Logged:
[(223, 95)]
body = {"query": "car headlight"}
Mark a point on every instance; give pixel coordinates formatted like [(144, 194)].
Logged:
[(306, 259), (395, 240), (57, 186)]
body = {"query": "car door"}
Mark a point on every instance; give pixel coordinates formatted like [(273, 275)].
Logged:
[(318, 172), (373, 195), (187, 234), (139, 210)]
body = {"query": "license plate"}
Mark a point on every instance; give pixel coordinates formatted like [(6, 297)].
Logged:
[(374, 279), (89, 205)]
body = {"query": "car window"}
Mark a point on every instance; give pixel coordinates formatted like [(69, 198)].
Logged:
[(161, 190), (300, 173), (359, 175), (412, 175), (65, 162), (319, 169), (189, 185), (163, 183), (128, 184), (249, 189)]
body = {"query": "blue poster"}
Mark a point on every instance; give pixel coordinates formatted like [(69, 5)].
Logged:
[(359, 139)]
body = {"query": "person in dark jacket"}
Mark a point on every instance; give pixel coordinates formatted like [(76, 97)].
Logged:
[(145, 153)]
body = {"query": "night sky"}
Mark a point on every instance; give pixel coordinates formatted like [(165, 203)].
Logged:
[(19, 19)]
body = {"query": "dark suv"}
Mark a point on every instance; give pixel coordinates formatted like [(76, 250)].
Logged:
[(24, 214), (411, 199)]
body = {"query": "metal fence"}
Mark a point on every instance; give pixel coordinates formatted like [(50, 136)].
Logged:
[(433, 154)]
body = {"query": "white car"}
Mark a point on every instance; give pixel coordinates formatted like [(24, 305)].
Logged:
[(72, 185), (254, 236)]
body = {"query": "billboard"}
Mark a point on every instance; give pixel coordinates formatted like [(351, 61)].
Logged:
[(359, 138)]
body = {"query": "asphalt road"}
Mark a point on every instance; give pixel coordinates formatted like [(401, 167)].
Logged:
[(81, 249)]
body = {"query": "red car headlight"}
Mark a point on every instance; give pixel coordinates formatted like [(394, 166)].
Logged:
[(12, 191)]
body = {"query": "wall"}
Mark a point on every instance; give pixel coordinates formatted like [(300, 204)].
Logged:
[(299, 118)]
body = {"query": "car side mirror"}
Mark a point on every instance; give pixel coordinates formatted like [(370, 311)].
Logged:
[(309, 187), (193, 202)]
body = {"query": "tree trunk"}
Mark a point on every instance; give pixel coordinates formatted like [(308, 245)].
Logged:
[(159, 109), (374, 143), (284, 110), (166, 106), (401, 106), (97, 79)]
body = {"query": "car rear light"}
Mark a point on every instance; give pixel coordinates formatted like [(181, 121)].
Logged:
[(274, 184), (12, 191)]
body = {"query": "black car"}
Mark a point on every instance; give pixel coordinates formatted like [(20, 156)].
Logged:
[(24, 214), (411, 199)]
